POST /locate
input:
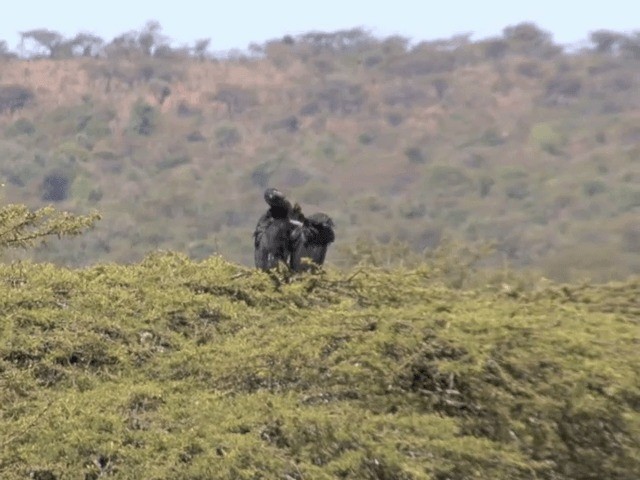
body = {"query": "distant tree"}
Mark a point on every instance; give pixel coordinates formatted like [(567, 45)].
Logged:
[(530, 68), (415, 155), (125, 45), (200, 48), (451, 44), (528, 39), (604, 41), (405, 95), (441, 86), (166, 51), (289, 124), (144, 119), (526, 32), (227, 136), (160, 90), (151, 37), (4, 50), (237, 99), (495, 48), (426, 58), (395, 45), (630, 46), (86, 45), (562, 87), (147, 42), (14, 97), (48, 40), (351, 40), (55, 186), (341, 97)]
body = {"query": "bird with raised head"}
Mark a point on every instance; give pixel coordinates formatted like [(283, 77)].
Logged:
[(272, 236)]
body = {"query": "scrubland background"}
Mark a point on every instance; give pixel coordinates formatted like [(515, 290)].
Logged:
[(512, 141)]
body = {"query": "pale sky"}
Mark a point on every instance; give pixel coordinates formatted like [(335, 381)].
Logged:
[(234, 24)]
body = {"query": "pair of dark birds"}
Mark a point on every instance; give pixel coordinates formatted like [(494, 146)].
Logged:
[(284, 234)]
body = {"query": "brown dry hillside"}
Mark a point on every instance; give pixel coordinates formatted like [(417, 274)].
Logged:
[(509, 140)]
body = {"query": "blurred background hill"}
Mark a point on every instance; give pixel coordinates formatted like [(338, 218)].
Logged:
[(512, 140)]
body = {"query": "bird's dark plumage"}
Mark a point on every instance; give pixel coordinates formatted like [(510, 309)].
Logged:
[(284, 234), (272, 236), (310, 241)]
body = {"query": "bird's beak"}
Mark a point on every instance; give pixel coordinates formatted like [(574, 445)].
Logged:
[(295, 222)]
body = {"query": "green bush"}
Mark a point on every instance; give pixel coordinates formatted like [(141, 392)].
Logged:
[(171, 368), (70, 152), (415, 155), (14, 97), (485, 184), (55, 185), (227, 136), (547, 138), (594, 187), (144, 119), (21, 126), (366, 138), (21, 227), (446, 177), (172, 161)]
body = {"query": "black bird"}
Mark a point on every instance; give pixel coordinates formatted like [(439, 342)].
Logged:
[(272, 236), (310, 241)]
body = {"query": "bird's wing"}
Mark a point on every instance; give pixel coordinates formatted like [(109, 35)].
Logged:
[(263, 223)]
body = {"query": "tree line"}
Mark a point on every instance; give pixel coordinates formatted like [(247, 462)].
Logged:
[(150, 41)]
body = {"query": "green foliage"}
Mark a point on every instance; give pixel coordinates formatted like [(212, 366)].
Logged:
[(340, 96), (492, 137), (485, 184), (426, 130), (95, 125), (55, 185), (517, 189), (85, 123), (175, 369), (144, 119), (173, 160), (594, 187), (448, 178), (14, 97), (21, 126), (70, 152), (547, 138), (227, 136), (236, 99), (629, 198), (415, 155), (21, 227), (366, 138)]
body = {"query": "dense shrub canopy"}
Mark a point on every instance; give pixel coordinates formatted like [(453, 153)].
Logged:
[(178, 369)]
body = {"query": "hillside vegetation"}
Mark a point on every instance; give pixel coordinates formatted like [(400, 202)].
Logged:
[(512, 141), (176, 369)]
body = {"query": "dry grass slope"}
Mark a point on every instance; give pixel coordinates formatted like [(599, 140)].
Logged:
[(509, 140)]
